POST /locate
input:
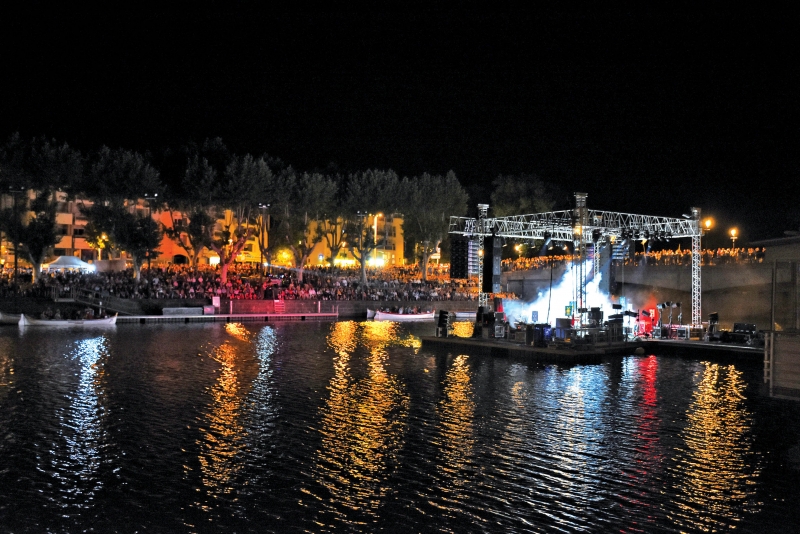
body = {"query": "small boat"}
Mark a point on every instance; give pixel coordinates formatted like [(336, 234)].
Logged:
[(9, 318), (393, 316), (370, 314), (26, 320)]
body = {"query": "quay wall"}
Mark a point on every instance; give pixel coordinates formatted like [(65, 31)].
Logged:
[(715, 277), (740, 293)]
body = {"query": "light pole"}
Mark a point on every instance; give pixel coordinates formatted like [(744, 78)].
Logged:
[(734, 235), (15, 190), (361, 216), (149, 199), (375, 231), (264, 234)]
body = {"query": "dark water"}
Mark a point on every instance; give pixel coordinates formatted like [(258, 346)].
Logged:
[(350, 426)]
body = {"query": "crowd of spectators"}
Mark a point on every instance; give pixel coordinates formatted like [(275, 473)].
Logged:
[(389, 283), (718, 256), (247, 282)]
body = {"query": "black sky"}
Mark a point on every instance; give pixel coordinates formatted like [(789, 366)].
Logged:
[(649, 111)]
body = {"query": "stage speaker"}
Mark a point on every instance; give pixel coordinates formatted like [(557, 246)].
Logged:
[(492, 255), (459, 257)]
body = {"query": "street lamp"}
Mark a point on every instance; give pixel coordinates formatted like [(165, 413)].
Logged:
[(15, 190), (263, 240), (375, 233), (102, 241), (734, 231), (361, 216), (149, 199)]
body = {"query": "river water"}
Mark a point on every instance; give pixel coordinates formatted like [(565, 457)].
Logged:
[(351, 426)]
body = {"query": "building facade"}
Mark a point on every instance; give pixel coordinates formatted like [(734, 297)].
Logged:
[(71, 225)]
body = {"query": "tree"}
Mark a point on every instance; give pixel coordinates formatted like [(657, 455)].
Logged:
[(313, 198), (120, 177), (116, 181), (195, 198), (39, 235), (245, 183), (274, 207), (323, 205), (521, 195), (136, 234), (428, 203), (368, 193), (42, 169)]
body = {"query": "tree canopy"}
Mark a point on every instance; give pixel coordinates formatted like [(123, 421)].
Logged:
[(218, 199)]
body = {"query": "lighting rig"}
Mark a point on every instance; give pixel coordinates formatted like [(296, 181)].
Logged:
[(583, 225)]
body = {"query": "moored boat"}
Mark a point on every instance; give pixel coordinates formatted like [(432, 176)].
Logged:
[(26, 320), (394, 316), (9, 318)]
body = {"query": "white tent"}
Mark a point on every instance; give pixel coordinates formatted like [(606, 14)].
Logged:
[(66, 263)]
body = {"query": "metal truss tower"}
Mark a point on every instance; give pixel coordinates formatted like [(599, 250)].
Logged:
[(696, 278), (579, 241), (483, 211), (583, 225)]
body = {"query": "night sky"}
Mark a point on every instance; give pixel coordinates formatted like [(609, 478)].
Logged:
[(650, 111)]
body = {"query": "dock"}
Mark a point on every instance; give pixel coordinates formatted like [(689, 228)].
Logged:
[(227, 318), (552, 354)]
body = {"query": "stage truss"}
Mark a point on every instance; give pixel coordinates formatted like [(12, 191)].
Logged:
[(582, 226)]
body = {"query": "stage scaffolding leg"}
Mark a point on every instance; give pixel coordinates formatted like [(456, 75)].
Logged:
[(483, 210), (697, 320)]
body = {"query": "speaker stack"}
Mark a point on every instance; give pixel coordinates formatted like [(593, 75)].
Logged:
[(492, 255), (459, 257)]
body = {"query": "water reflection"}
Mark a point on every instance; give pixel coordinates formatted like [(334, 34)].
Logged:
[(636, 448), (456, 441), (580, 430), (261, 414), (362, 423), (463, 328), (222, 431), (6, 370), (717, 469), (82, 431)]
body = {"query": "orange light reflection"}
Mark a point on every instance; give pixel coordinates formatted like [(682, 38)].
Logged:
[(717, 467)]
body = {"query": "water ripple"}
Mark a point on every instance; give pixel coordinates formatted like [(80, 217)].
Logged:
[(352, 426)]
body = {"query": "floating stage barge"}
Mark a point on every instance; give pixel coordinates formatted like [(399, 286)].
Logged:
[(595, 353)]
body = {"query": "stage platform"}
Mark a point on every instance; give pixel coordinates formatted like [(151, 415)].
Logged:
[(585, 353)]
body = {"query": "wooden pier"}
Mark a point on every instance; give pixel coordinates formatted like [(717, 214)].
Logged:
[(227, 318)]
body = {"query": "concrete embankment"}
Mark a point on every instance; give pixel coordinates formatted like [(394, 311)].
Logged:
[(740, 293)]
